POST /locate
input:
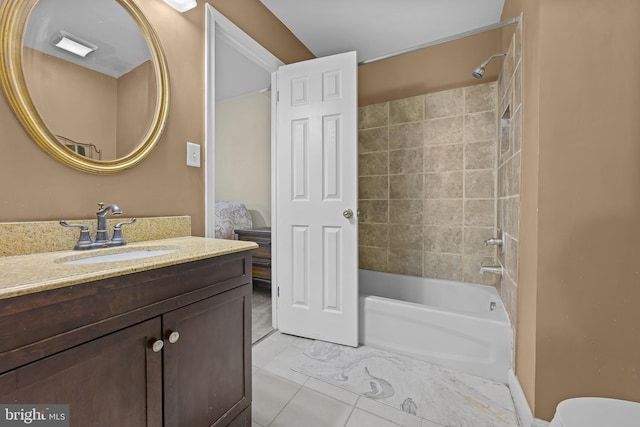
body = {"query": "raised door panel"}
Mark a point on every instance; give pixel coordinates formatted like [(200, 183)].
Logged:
[(207, 372), (115, 380)]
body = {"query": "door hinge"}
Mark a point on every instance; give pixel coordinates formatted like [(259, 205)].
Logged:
[(278, 292), (277, 96)]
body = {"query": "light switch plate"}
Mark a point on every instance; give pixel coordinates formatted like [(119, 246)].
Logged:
[(193, 155)]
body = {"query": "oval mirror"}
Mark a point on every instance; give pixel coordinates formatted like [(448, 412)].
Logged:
[(87, 79)]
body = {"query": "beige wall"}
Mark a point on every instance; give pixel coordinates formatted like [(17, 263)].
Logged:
[(75, 102), (243, 143), (579, 286), (427, 172), (43, 189), (444, 66), (136, 106)]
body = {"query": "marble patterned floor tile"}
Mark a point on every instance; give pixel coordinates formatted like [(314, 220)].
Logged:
[(309, 408), (446, 397)]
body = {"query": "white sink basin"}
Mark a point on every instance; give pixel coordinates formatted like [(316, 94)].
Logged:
[(120, 256)]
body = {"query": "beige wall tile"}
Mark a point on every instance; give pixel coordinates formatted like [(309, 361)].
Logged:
[(405, 135), (405, 211), (441, 158), (480, 97), (405, 161), (444, 131), (443, 239), (373, 116), (413, 218), (443, 185), (445, 103), (373, 187), (513, 175), (406, 186), (376, 163), (442, 266), (373, 140), (479, 184), (516, 130), (511, 256), (480, 155), (505, 135), (480, 126), (509, 295), (443, 212), (406, 110), (405, 262), (512, 216), (471, 270), (373, 235), (372, 258), (408, 237), (373, 211), (517, 87), (479, 213), (502, 181), (474, 242)]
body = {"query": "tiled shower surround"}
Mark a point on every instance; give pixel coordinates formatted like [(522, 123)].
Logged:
[(509, 162), (427, 184)]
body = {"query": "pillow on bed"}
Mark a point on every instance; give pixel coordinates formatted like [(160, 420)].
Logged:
[(231, 216)]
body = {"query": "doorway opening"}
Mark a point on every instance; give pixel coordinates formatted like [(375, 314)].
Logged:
[(238, 134)]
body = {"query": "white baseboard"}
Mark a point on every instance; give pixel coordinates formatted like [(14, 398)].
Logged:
[(522, 406)]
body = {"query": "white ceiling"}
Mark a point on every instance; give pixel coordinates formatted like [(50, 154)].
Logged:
[(376, 28), (121, 45)]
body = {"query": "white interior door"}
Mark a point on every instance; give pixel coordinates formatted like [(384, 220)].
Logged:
[(316, 238)]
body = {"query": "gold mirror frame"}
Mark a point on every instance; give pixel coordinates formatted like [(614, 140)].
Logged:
[(13, 20)]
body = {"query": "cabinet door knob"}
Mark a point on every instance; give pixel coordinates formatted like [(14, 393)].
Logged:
[(157, 345), (174, 337)]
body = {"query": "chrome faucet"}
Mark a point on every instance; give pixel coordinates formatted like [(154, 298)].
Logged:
[(102, 235), (491, 269)]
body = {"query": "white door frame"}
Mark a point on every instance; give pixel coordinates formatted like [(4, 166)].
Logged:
[(218, 27)]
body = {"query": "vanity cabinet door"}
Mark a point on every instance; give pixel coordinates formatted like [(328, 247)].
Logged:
[(207, 371), (115, 380)]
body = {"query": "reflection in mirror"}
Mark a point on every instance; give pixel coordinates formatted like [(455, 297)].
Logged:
[(99, 102)]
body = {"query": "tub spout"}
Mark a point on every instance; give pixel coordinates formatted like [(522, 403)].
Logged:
[(491, 269), (494, 241)]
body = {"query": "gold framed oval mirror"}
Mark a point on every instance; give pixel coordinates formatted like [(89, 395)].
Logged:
[(84, 96)]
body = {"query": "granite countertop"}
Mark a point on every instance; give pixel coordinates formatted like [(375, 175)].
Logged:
[(24, 274)]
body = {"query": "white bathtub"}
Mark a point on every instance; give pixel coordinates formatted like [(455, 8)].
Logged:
[(450, 324)]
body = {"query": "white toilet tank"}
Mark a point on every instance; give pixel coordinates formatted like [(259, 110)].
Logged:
[(596, 412)]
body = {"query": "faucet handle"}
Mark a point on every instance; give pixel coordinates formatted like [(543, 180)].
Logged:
[(84, 242), (82, 227), (120, 224), (118, 238), (100, 206)]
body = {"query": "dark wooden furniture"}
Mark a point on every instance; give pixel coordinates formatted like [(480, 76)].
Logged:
[(262, 255), (165, 347)]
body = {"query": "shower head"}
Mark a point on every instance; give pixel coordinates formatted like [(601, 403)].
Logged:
[(479, 72)]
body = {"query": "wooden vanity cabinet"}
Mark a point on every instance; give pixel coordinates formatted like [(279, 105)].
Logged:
[(166, 347)]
